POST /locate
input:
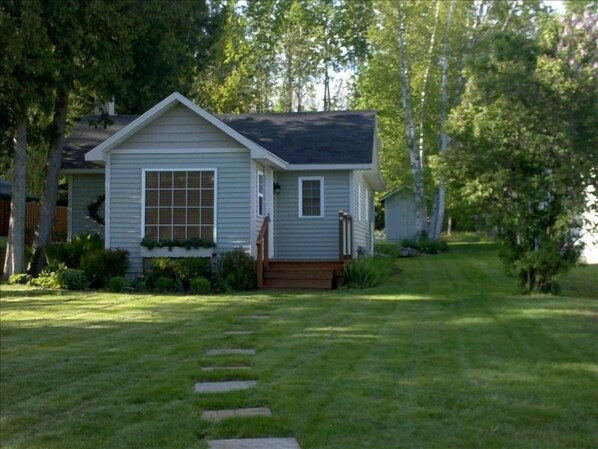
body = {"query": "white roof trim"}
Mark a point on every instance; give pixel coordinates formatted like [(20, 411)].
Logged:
[(257, 152)]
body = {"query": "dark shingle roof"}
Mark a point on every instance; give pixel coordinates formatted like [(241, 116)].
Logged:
[(344, 137), (85, 137)]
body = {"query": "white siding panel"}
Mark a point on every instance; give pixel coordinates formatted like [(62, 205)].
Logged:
[(309, 238), (85, 189)]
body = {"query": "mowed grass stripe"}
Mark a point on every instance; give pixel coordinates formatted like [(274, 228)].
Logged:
[(444, 355)]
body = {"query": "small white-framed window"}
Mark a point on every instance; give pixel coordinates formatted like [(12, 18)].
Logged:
[(311, 196), (179, 204), (261, 205)]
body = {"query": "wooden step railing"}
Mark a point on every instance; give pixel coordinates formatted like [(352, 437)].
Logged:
[(345, 235), (263, 251)]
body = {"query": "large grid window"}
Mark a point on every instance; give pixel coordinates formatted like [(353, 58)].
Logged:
[(179, 205), (311, 197)]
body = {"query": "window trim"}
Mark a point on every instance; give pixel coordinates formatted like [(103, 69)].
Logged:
[(261, 195), (187, 169), (300, 180)]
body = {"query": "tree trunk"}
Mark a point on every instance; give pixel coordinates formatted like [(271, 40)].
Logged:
[(414, 156), (43, 235), (15, 250), (440, 195), (422, 97)]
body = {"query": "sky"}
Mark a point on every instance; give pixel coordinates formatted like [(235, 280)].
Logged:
[(557, 5)]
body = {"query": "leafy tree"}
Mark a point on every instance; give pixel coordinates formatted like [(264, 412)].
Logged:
[(22, 69), (95, 55), (525, 144)]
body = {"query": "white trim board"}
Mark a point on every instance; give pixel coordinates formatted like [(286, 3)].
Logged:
[(178, 150)]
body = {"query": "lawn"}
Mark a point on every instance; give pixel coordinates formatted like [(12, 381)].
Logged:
[(446, 355)]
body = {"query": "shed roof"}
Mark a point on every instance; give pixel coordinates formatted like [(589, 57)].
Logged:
[(403, 190), (342, 137)]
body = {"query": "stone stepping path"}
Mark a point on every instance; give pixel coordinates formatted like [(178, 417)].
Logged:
[(255, 443), (219, 415), (221, 387), (230, 352), (231, 368)]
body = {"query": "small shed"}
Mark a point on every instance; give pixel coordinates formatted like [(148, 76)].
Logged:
[(399, 214)]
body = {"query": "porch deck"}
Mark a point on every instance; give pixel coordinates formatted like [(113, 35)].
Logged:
[(303, 274)]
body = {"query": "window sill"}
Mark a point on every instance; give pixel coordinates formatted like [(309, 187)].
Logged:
[(177, 252)]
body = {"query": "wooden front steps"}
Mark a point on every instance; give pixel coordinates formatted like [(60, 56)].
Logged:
[(303, 274)]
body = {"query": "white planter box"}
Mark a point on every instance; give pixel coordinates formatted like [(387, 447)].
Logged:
[(176, 252)]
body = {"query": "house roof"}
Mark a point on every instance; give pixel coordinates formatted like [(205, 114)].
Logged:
[(86, 135), (343, 137), (329, 138)]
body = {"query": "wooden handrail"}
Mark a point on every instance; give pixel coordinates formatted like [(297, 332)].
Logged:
[(345, 235), (262, 247)]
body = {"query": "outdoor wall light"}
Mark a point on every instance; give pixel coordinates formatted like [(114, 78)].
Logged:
[(276, 188)]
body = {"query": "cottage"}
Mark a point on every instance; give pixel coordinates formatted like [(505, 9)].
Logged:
[(288, 188)]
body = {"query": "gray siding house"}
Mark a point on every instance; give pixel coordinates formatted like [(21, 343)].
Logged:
[(178, 172), (399, 215)]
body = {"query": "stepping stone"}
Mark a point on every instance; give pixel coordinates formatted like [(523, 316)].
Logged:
[(232, 368), (230, 352), (257, 317), (255, 443), (237, 333), (219, 415), (220, 387)]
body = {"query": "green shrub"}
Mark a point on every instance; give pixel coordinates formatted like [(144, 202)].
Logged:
[(117, 284), (62, 253), (164, 285), (47, 278), (20, 278), (71, 253), (180, 270), (200, 285), (237, 270), (387, 249), (71, 279), (140, 285), (425, 245), (103, 264), (368, 271)]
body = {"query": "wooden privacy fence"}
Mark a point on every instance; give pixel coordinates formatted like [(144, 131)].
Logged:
[(32, 213)]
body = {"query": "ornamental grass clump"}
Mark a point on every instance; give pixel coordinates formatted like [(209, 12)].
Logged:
[(369, 271)]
